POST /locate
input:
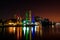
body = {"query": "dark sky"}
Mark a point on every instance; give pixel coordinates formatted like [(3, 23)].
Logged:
[(46, 9)]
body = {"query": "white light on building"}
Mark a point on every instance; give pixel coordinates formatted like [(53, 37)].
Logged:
[(24, 29), (27, 29), (32, 29)]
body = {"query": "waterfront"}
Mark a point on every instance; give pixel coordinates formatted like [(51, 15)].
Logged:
[(17, 33)]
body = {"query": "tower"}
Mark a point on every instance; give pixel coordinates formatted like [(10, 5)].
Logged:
[(30, 15)]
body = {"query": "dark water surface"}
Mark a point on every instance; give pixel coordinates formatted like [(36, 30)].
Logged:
[(47, 34)]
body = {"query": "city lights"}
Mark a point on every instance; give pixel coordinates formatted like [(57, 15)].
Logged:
[(32, 29), (20, 32), (27, 32), (27, 27), (12, 23), (35, 28), (24, 29), (11, 29), (14, 28), (24, 21)]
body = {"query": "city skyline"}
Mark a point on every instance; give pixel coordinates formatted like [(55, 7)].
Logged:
[(46, 9)]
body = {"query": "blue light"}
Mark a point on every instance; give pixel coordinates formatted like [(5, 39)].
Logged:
[(33, 28)]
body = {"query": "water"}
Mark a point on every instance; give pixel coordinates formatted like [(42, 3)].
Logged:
[(17, 33)]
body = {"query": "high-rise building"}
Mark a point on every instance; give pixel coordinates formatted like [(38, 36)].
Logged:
[(30, 15)]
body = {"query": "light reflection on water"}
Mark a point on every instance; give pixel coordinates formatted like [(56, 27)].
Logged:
[(11, 29), (0, 29), (18, 31), (14, 29)]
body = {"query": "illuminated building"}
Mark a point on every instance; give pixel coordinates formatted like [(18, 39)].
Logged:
[(27, 17), (30, 21), (28, 27), (33, 31), (38, 22)]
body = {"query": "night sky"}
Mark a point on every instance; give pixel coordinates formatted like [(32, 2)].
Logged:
[(46, 9)]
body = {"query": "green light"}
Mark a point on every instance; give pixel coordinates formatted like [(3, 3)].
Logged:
[(23, 30), (27, 30), (27, 16)]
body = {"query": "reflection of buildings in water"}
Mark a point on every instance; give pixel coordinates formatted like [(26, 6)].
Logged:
[(17, 32), (0, 29), (57, 27), (25, 29), (11, 29), (27, 32), (38, 28), (40, 25), (14, 29), (20, 32), (52, 27)]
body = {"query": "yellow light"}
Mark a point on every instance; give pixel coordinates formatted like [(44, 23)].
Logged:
[(20, 32), (37, 29), (12, 23), (17, 32), (36, 23), (14, 29), (10, 29)]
